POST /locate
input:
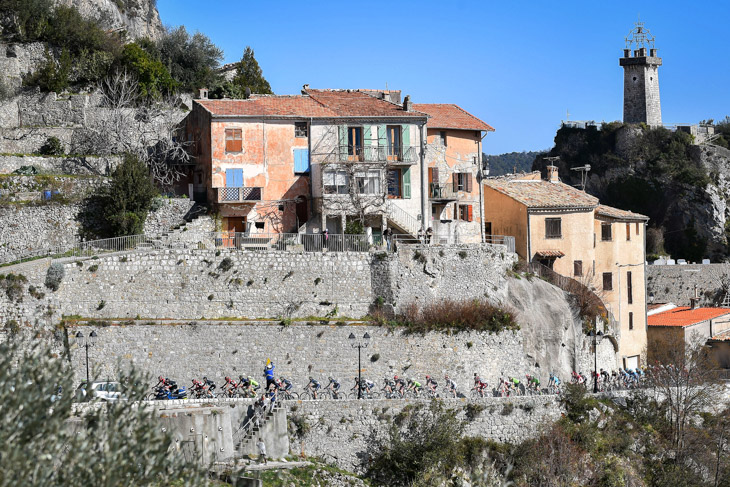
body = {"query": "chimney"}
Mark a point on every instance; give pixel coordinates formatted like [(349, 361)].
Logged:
[(652, 52), (203, 93), (407, 103), (627, 52), (552, 174), (694, 301), (305, 87)]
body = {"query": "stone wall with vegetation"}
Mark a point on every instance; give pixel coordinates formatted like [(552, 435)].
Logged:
[(340, 431)]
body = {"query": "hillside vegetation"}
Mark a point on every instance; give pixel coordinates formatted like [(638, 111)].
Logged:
[(652, 171), (511, 162)]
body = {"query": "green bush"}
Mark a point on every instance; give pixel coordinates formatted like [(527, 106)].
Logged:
[(52, 147), (54, 276), (14, 286), (154, 80), (451, 315)]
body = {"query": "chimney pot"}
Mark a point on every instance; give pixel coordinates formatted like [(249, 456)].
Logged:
[(552, 174), (652, 52), (627, 52), (407, 103), (203, 93)]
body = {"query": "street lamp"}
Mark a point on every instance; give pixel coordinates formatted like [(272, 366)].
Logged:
[(597, 337), (87, 343), (359, 345)]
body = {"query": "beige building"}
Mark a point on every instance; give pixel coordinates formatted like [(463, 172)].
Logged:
[(570, 232)]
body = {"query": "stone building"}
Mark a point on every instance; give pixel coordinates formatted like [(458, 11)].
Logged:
[(569, 232), (454, 160), (641, 78)]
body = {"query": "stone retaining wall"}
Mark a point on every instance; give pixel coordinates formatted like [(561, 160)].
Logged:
[(339, 431), (102, 166), (676, 283)]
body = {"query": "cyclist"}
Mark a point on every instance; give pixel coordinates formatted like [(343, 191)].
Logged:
[(431, 384), (314, 386), (533, 383), (209, 384), (285, 384), (479, 384), (367, 386), (400, 385), (450, 385), (334, 386), (229, 387), (414, 385), (389, 387), (514, 383)]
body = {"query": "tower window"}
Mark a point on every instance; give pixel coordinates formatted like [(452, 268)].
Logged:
[(634, 78)]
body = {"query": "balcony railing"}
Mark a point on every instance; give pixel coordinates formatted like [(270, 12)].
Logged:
[(240, 195), (444, 192), (389, 154)]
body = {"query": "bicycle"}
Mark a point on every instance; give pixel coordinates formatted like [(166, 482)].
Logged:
[(477, 392)]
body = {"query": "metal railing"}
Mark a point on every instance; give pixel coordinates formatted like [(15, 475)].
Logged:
[(302, 242), (241, 194), (402, 218), (369, 153), (438, 191)]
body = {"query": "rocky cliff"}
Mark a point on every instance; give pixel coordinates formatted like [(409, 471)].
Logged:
[(139, 18)]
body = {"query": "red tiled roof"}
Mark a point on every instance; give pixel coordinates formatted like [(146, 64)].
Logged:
[(612, 212), (685, 316), (287, 106), (313, 104), (537, 193), (450, 116), (550, 253), (352, 103)]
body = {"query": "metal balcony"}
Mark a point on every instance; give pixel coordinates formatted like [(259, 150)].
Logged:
[(441, 192), (400, 155), (240, 195)]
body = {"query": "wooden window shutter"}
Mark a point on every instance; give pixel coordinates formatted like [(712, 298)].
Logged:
[(468, 183), (456, 181), (342, 129), (382, 136), (435, 175), (469, 216), (367, 136), (405, 139), (233, 140), (407, 183)]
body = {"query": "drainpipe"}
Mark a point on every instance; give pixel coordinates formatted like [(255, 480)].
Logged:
[(479, 171), (424, 200), (528, 257)]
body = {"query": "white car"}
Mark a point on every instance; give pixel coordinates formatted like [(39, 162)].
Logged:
[(105, 390)]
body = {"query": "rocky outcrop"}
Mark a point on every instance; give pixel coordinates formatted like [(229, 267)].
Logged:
[(138, 18)]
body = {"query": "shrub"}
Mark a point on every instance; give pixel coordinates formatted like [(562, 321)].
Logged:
[(13, 284), (226, 264), (101, 305), (451, 315), (375, 357), (94, 268), (54, 276), (472, 410), (153, 78), (12, 327)]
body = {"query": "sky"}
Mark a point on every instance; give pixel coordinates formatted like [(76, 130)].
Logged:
[(519, 65)]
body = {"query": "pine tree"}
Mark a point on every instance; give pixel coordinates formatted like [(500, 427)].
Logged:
[(128, 198), (249, 74)]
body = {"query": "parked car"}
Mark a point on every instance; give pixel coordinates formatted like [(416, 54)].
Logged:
[(104, 390)]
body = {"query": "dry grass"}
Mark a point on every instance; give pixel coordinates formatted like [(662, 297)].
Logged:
[(451, 315)]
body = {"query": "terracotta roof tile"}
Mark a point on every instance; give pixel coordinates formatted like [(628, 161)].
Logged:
[(612, 212), (288, 106), (537, 193), (314, 104), (353, 103), (685, 316), (450, 116)]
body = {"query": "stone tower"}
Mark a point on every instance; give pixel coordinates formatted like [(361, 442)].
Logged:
[(641, 78)]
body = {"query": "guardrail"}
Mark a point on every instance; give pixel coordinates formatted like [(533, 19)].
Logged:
[(262, 242), (367, 153), (241, 194)]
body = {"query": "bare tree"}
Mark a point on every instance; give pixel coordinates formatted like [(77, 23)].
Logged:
[(684, 376), (147, 129)]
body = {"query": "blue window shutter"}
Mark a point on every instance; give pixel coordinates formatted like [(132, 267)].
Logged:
[(230, 178), (238, 178), (406, 135), (301, 160)]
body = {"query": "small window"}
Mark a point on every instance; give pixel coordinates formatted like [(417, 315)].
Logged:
[(335, 182), (234, 141), (259, 225), (488, 229), (462, 182), (629, 287), (465, 213), (553, 228), (605, 232), (631, 320), (300, 129), (628, 231), (607, 281), (637, 228), (578, 268), (442, 135), (368, 182)]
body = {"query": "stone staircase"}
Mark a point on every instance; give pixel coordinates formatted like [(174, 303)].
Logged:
[(245, 439), (402, 219)]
